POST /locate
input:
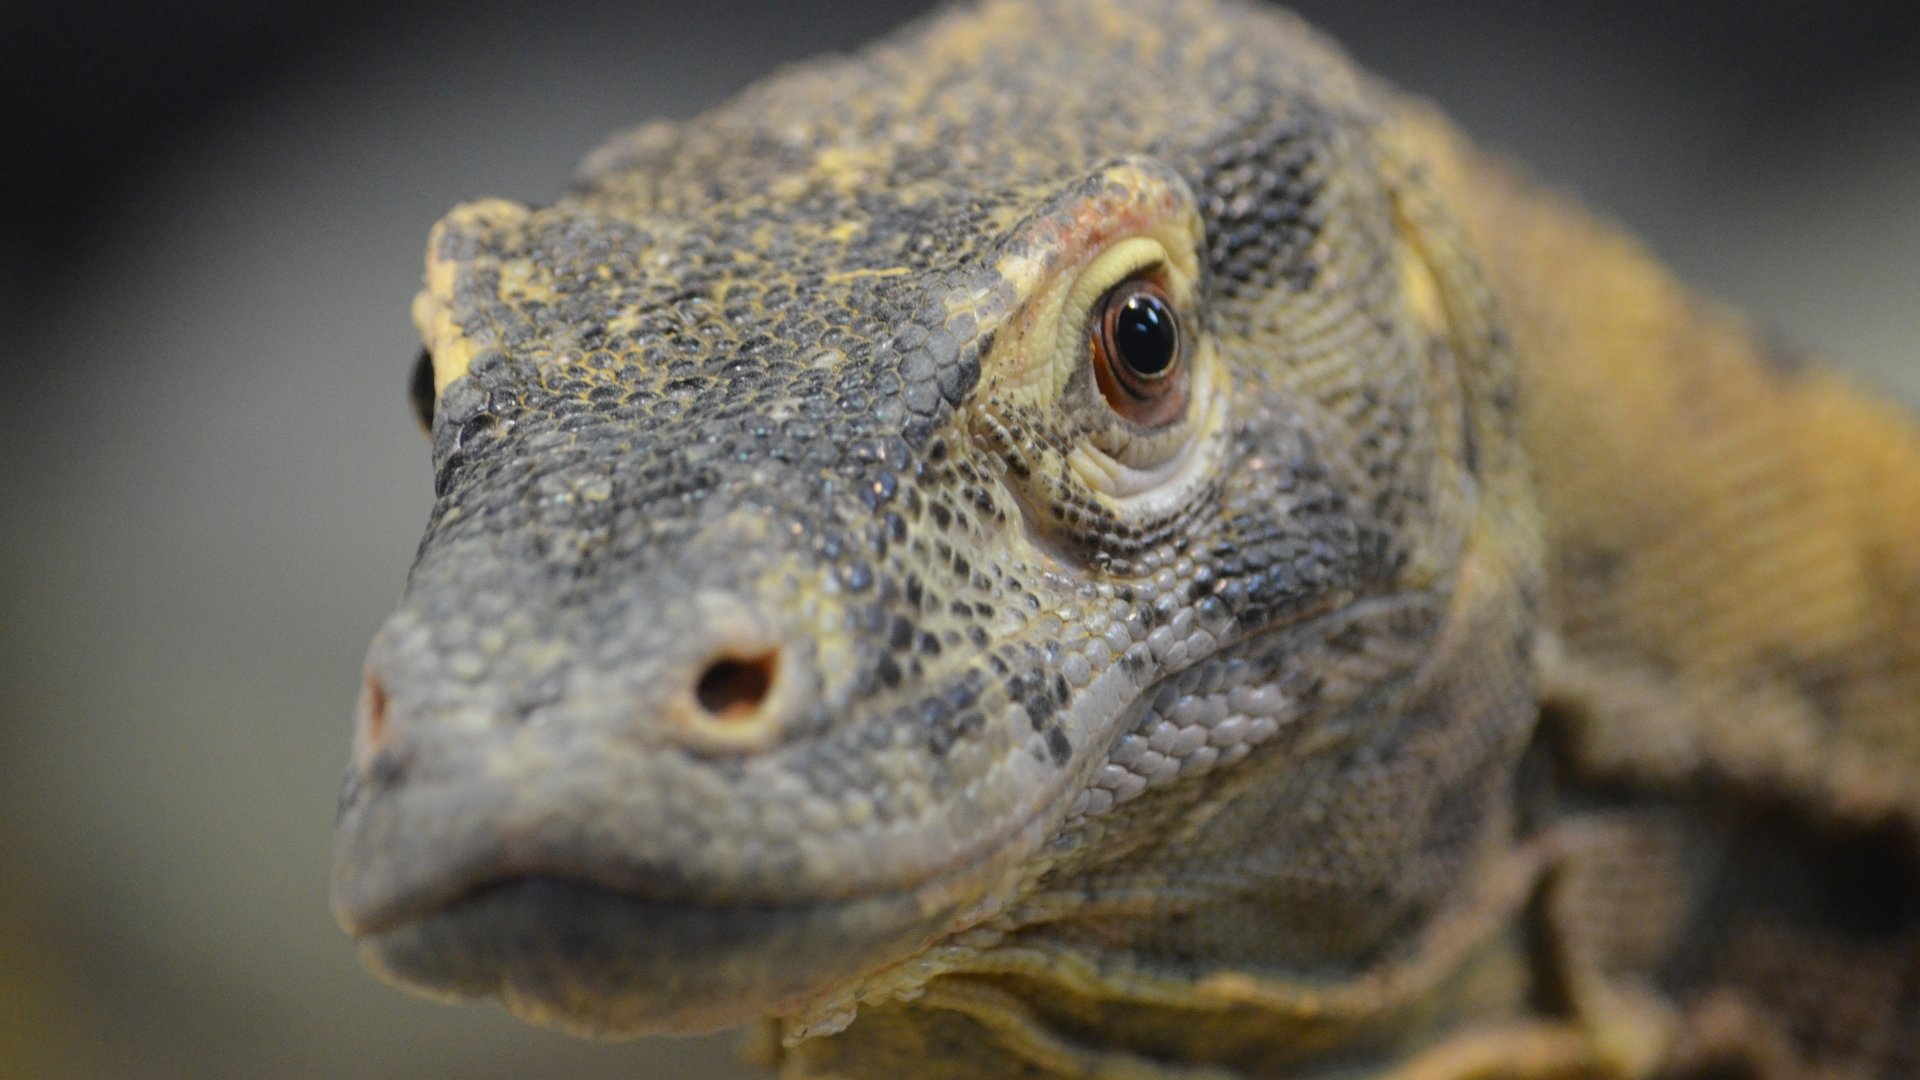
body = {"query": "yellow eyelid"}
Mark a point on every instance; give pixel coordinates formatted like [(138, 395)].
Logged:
[(1116, 264)]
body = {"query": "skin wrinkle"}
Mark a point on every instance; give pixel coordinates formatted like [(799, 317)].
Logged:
[(1063, 713)]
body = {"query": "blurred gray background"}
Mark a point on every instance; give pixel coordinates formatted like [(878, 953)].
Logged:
[(211, 220)]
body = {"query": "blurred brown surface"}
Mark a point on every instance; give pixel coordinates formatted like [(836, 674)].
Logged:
[(212, 485)]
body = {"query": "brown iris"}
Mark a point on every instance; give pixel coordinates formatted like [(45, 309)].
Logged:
[(1137, 359)]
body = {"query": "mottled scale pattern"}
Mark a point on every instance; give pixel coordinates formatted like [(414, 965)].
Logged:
[(802, 633)]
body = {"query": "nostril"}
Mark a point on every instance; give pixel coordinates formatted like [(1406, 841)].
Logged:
[(734, 687), (371, 721)]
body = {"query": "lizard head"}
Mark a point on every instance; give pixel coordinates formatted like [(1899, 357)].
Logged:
[(846, 499)]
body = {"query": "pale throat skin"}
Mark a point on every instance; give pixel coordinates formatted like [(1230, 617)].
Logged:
[(815, 626)]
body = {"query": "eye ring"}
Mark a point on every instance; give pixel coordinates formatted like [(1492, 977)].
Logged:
[(1138, 353)]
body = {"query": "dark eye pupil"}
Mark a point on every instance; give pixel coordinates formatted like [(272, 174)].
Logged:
[(1144, 335)]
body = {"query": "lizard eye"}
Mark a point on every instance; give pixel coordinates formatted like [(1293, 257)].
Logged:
[(1137, 360), (1105, 389), (420, 390)]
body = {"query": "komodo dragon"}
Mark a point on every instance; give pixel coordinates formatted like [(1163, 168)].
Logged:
[(1094, 539)]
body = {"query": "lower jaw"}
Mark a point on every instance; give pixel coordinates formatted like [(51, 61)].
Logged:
[(597, 962)]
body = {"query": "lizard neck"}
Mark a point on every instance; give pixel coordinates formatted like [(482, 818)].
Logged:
[(1733, 537), (1729, 651)]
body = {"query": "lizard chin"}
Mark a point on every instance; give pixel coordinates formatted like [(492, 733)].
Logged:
[(595, 961)]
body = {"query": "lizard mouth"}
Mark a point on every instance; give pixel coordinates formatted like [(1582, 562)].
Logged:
[(596, 961), (460, 891)]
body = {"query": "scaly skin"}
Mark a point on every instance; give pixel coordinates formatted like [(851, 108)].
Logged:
[(1488, 660)]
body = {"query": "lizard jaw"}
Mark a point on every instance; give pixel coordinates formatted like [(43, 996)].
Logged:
[(594, 954), (594, 961)]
